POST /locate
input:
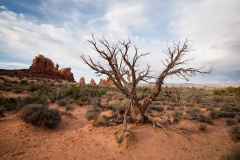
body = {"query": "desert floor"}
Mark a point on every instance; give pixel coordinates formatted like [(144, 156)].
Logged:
[(76, 138)]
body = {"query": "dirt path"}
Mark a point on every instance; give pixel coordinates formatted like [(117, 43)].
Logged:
[(76, 139)]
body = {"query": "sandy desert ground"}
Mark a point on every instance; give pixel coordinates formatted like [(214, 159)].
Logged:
[(76, 138)]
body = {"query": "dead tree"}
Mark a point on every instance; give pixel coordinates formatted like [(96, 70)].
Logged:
[(125, 74)]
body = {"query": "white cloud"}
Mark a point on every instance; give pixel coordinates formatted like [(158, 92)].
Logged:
[(15, 64), (3, 8), (60, 31), (214, 28), (122, 16)]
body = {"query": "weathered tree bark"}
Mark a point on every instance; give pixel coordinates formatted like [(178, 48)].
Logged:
[(125, 73)]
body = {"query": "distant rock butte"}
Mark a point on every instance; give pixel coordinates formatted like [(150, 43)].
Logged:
[(43, 67), (82, 81), (107, 82), (92, 82)]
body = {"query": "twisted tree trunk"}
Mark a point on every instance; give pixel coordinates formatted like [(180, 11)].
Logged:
[(126, 76)]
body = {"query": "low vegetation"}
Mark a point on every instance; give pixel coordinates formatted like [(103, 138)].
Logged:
[(41, 115), (234, 133), (234, 154), (187, 104)]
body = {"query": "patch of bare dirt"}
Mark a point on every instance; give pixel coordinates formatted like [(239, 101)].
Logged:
[(76, 138)]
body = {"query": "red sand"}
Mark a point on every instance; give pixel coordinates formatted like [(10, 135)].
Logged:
[(76, 138)]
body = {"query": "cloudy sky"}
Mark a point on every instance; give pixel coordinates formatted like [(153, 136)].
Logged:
[(58, 29)]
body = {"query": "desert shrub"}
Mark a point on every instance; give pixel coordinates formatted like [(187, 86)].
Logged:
[(92, 113), (183, 126), (219, 91), (231, 121), (155, 103), (143, 89), (10, 103), (210, 108), (217, 99), (229, 99), (202, 127), (52, 96), (119, 104), (32, 87), (72, 91), (62, 102), (237, 117), (192, 112), (203, 118), (170, 107), (120, 99), (164, 103), (234, 154), (219, 114), (2, 110), (7, 82), (41, 115), (189, 105), (176, 104), (23, 82), (230, 108), (177, 114), (181, 108), (158, 108), (159, 99), (38, 97), (234, 133), (176, 120), (18, 90)]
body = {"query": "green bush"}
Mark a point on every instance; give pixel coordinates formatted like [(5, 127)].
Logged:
[(177, 114), (217, 99), (23, 82), (155, 103), (176, 120), (39, 97), (72, 91), (158, 108), (230, 108), (231, 121), (234, 133), (92, 113), (10, 103), (62, 102), (233, 155), (219, 114), (189, 105), (170, 107), (119, 104), (210, 108), (202, 127), (2, 110), (41, 115), (237, 117), (203, 118), (193, 112), (164, 103)]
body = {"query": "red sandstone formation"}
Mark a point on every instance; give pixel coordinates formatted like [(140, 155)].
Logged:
[(66, 72), (92, 82), (82, 81), (102, 82), (107, 82), (45, 67), (110, 82)]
